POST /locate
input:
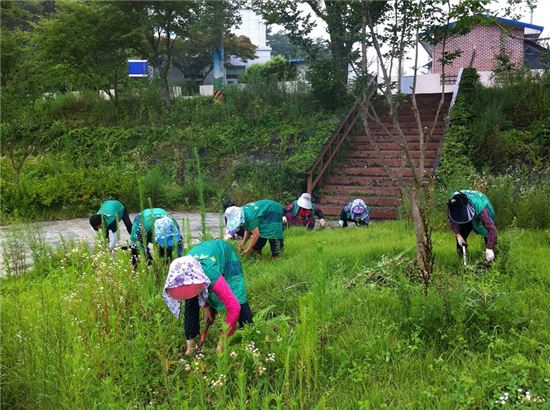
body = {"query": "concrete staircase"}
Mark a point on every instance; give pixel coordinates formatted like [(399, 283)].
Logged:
[(359, 172)]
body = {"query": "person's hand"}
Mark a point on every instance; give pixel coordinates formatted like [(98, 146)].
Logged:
[(190, 347), (285, 221), (322, 223), (341, 223), (209, 314), (219, 347), (489, 255), (240, 247), (112, 242), (461, 241), (247, 251)]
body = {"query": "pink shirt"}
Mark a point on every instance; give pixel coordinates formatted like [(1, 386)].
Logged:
[(232, 305)]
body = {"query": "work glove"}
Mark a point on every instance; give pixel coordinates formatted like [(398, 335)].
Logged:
[(112, 242), (461, 241), (489, 255), (322, 223), (285, 220), (341, 223)]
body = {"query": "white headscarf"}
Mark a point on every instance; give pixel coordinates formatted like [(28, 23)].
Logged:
[(185, 270), (235, 218)]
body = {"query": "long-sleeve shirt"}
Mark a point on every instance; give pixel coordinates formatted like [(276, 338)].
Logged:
[(232, 305), (487, 222)]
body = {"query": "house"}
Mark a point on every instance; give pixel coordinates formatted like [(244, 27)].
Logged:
[(478, 49)]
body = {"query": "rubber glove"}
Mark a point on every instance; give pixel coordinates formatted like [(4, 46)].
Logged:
[(489, 255), (341, 223), (112, 242), (461, 241), (322, 223)]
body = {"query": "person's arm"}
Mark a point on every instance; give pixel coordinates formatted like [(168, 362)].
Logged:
[(489, 224), (254, 238), (319, 214), (244, 240), (227, 297)]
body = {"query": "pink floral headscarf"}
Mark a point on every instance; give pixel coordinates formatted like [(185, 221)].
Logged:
[(185, 270)]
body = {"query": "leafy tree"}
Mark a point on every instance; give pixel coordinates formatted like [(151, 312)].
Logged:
[(399, 29), (88, 42), (343, 20), (277, 69), (281, 44), (160, 24), (192, 55)]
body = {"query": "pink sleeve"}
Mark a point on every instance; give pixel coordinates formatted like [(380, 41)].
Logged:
[(224, 293)]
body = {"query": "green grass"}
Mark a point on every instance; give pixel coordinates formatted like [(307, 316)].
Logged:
[(348, 327)]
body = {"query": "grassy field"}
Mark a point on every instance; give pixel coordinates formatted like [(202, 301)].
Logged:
[(340, 322)]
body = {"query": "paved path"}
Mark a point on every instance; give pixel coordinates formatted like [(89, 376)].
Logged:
[(53, 232)]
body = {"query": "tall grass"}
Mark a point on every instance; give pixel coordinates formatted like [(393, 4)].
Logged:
[(339, 323)]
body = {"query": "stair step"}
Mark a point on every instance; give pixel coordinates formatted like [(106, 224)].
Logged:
[(363, 182), (359, 191), (342, 200), (413, 146), (377, 162), (370, 171), (384, 137), (376, 213), (390, 154)]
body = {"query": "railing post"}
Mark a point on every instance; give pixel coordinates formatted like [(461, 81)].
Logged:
[(309, 183)]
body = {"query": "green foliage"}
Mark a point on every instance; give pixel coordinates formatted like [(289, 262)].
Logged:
[(82, 328), (325, 84), (257, 142), (277, 68)]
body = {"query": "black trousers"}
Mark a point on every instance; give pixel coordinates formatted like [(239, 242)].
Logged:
[(276, 245), (191, 319)]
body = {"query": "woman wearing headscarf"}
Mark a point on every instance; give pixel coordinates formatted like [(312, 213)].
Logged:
[(471, 210), (142, 233), (209, 276), (302, 212), (356, 211), (168, 236), (262, 221)]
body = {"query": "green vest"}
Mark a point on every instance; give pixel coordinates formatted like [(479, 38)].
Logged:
[(111, 210), (479, 201), (218, 258), (146, 218), (265, 214), (296, 208)]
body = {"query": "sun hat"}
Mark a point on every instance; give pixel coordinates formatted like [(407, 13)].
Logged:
[(461, 210), (305, 201)]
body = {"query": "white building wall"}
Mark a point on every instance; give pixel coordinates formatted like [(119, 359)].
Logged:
[(253, 27)]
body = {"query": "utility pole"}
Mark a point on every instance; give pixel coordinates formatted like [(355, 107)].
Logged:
[(217, 52)]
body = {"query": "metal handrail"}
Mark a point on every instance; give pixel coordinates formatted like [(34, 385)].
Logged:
[(331, 147)]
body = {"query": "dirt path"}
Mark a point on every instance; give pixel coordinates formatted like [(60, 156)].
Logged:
[(54, 232)]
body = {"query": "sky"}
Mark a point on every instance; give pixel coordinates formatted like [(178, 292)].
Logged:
[(541, 17)]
